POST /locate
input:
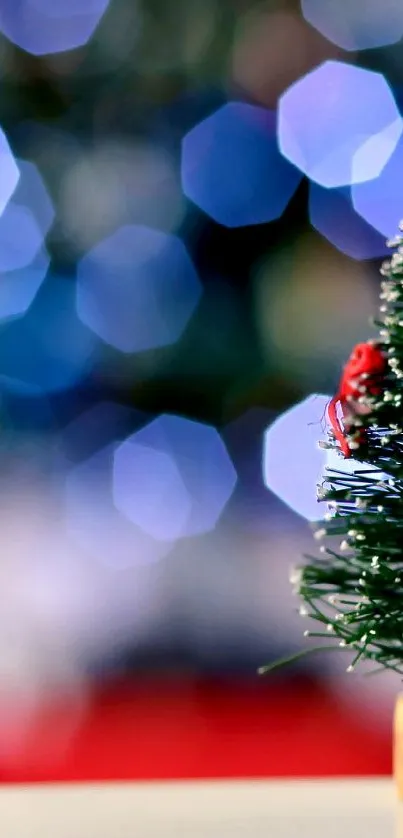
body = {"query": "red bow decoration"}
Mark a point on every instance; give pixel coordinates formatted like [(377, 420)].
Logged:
[(361, 376)]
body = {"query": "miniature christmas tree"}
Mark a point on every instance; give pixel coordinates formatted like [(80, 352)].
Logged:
[(354, 589)]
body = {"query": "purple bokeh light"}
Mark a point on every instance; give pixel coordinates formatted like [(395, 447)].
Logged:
[(20, 238), (9, 172), (67, 8), (231, 167), (380, 202), (94, 522), (24, 260), (293, 463), (339, 124), (333, 216), (361, 24), (43, 27), (19, 288), (173, 478), (137, 289), (150, 491)]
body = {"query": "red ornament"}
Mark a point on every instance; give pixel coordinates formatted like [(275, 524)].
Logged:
[(361, 376)]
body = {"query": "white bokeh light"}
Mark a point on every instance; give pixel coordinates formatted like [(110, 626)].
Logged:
[(339, 124), (43, 27), (9, 172), (137, 289), (361, 24), (173, 478)]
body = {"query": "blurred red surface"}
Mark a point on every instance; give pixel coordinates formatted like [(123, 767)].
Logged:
[(159, 729)]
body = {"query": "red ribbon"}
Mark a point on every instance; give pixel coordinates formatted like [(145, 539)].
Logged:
[(361, 376)]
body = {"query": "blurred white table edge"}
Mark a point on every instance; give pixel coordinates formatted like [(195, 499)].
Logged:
[(201, 808)]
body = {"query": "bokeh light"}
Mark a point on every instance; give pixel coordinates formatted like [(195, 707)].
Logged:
[(19, 288), (20, 238), (9, 171), (24, 260), (231, 167), (150, 491), (361, 24), (173, 478), (119, 183), (137, 289), (48, 347), (127, 552), (332, 214), (43, 27), (293, 463), (95, 523), (379, 202), (339, 124), (59, 8)]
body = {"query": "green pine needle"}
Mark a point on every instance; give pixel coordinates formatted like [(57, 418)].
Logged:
[(354, 590), (270, 667)]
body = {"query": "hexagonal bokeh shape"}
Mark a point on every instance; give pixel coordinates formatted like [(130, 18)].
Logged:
[(94, 522), (333, 216), (162, 501), (9, 172), (293, 463), (231, 167), (339, 124), (43, 27), (173, 478), (362, 24), (137, 289), (379, 202)]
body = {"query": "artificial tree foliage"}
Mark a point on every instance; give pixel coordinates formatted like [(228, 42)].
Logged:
[(353, 589)]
